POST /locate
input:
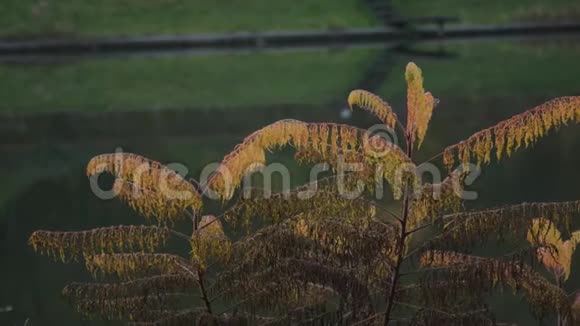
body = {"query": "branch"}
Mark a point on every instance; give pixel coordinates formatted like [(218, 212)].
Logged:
[(402, 238), (365, 321), (419, 228), (205, 298), (180, 235)]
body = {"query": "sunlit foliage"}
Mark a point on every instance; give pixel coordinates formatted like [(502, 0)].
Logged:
[(209, 241), (315, 254), (323, 142), (560, 260), (373, 104), (132, 265), (483, 274), (522, 130), (123, 238), (473, 227), (147, 186), (420, 105)]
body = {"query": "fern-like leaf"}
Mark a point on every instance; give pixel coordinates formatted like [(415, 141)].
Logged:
[(328, 252), (485, 274), (289, 282), (509, 135), (140, 308), (514, 221), (135, 265), (311, 201), (307, 314), (434, 200), (420, 105), (330, 139), (455, 316), (148, 186), (155, 285), (209, 241), (182, 318), (116, 239), (331, 240), (278, 298), (373, 104), (559, 261)]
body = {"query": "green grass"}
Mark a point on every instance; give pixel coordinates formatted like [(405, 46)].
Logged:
[(492, 11), (41, 18), (481, 70), (112, 17), (175, 82), (495, 69)]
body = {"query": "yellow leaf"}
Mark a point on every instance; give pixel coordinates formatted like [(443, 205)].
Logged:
[(374, 104), (420, 105), (545, 232), (522, 130), (209, 241)]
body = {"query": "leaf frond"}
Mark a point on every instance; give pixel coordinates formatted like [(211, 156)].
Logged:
[(182, 318), (325, 139), (331, 241), (467, 228), (373, 104), (281, 300), (209, 241), (522, 130), (148, 186), (434, 200), (437, 293), (155, 285), (148, 307), (558, 261), (485, 274), (420, 104), (135, 265), (341, 280), (295, 282), (479, 317), (307, 315), (116, 239), (311, 201)]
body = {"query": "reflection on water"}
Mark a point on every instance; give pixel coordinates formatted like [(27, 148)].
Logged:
[(194, 110)]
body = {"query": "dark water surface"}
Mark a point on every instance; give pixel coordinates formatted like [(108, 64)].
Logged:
[(50, 127)]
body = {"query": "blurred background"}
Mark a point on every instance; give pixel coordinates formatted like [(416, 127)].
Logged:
[(67, 95)]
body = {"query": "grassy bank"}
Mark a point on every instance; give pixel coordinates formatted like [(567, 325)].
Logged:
[(481, 69), (175, 82), (20, 18), (42, 18), (488, 69), (493, 11)]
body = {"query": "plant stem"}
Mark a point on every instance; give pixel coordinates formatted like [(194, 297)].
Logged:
[(560, 322), (403, 236), (203, 291), (179, 235), (200, 273)]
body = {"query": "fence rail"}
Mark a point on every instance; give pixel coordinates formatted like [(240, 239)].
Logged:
[(274, 40)]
